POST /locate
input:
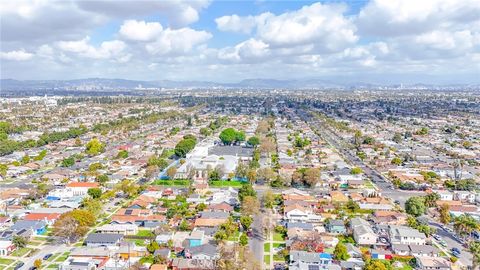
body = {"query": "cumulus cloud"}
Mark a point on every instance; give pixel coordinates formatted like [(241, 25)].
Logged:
[(179, 13), (409, 17), (113, 49), (20, 55), (177, 41), (140, 30), (247, 50), (235, 23), (317, 27)]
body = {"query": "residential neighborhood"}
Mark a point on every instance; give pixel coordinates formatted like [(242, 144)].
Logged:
[(241, 182)]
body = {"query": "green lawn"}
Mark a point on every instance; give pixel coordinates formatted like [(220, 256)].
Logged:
[(176, 183), (138, 242), (53, 266), (266, 259), (35, 243), (145, 233), (225, 183), (54, 255), (266, 247), (278, 237), (63, 257), (6, 261), (278, 245), (20, 252)]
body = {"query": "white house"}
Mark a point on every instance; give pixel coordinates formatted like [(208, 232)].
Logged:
[(362, 232), (445, 195), (406, 235), (6, 247)]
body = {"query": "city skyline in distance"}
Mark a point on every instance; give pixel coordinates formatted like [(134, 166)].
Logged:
[(346, 42)]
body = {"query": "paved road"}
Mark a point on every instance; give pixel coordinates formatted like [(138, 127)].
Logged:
[(466, 257), (61, 248), (257, 239)]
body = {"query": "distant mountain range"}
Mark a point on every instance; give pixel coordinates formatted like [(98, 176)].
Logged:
[(121, 84)]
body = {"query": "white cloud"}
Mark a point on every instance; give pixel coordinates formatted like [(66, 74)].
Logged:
[(179, 13), (247, 50), (235, 23), (20, 55), (140, 30), (113, 49), (177, 41), (320, 27), (409, 17)]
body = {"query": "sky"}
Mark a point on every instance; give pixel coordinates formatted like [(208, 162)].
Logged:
[(434, 41)]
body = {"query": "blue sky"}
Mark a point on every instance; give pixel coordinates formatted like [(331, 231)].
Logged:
[(378, 40)]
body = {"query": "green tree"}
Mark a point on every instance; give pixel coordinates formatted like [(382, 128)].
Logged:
[(397, 161), (340, 252), (95, 193), (103, 178), (465, 224), (243, 240), (184, 146), (253, 141), (184, 226), (205, 131), (415, 206), (25, 159), (93, 206), (201, 207), (152, 246), (356, 170), (352, 206), (94, 147), (228, 136), (431, 199), (3, 169), (474, 248), (377, 265), (95, 166), (444, 211), (246, 222), (246, 190), (398, 138), (240, 136), (122, 154), (68, 162), (19, 241)]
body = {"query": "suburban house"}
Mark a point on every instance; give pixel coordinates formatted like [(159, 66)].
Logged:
[(103, 239), (362, 232), (49, 218), (6, 247), (36, 227), (81, 188), (298, 213), (336, 226), (406, 235), (300, 260)]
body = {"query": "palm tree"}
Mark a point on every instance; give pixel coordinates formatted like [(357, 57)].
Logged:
[(475, 250), (465, 224)]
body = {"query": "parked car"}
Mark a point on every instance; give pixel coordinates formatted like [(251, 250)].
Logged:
[(443, 243), (437, 237), (19, 265), (46, 257), (455, 252)]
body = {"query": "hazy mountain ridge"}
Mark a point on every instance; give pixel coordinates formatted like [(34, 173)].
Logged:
[(123, 84)]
